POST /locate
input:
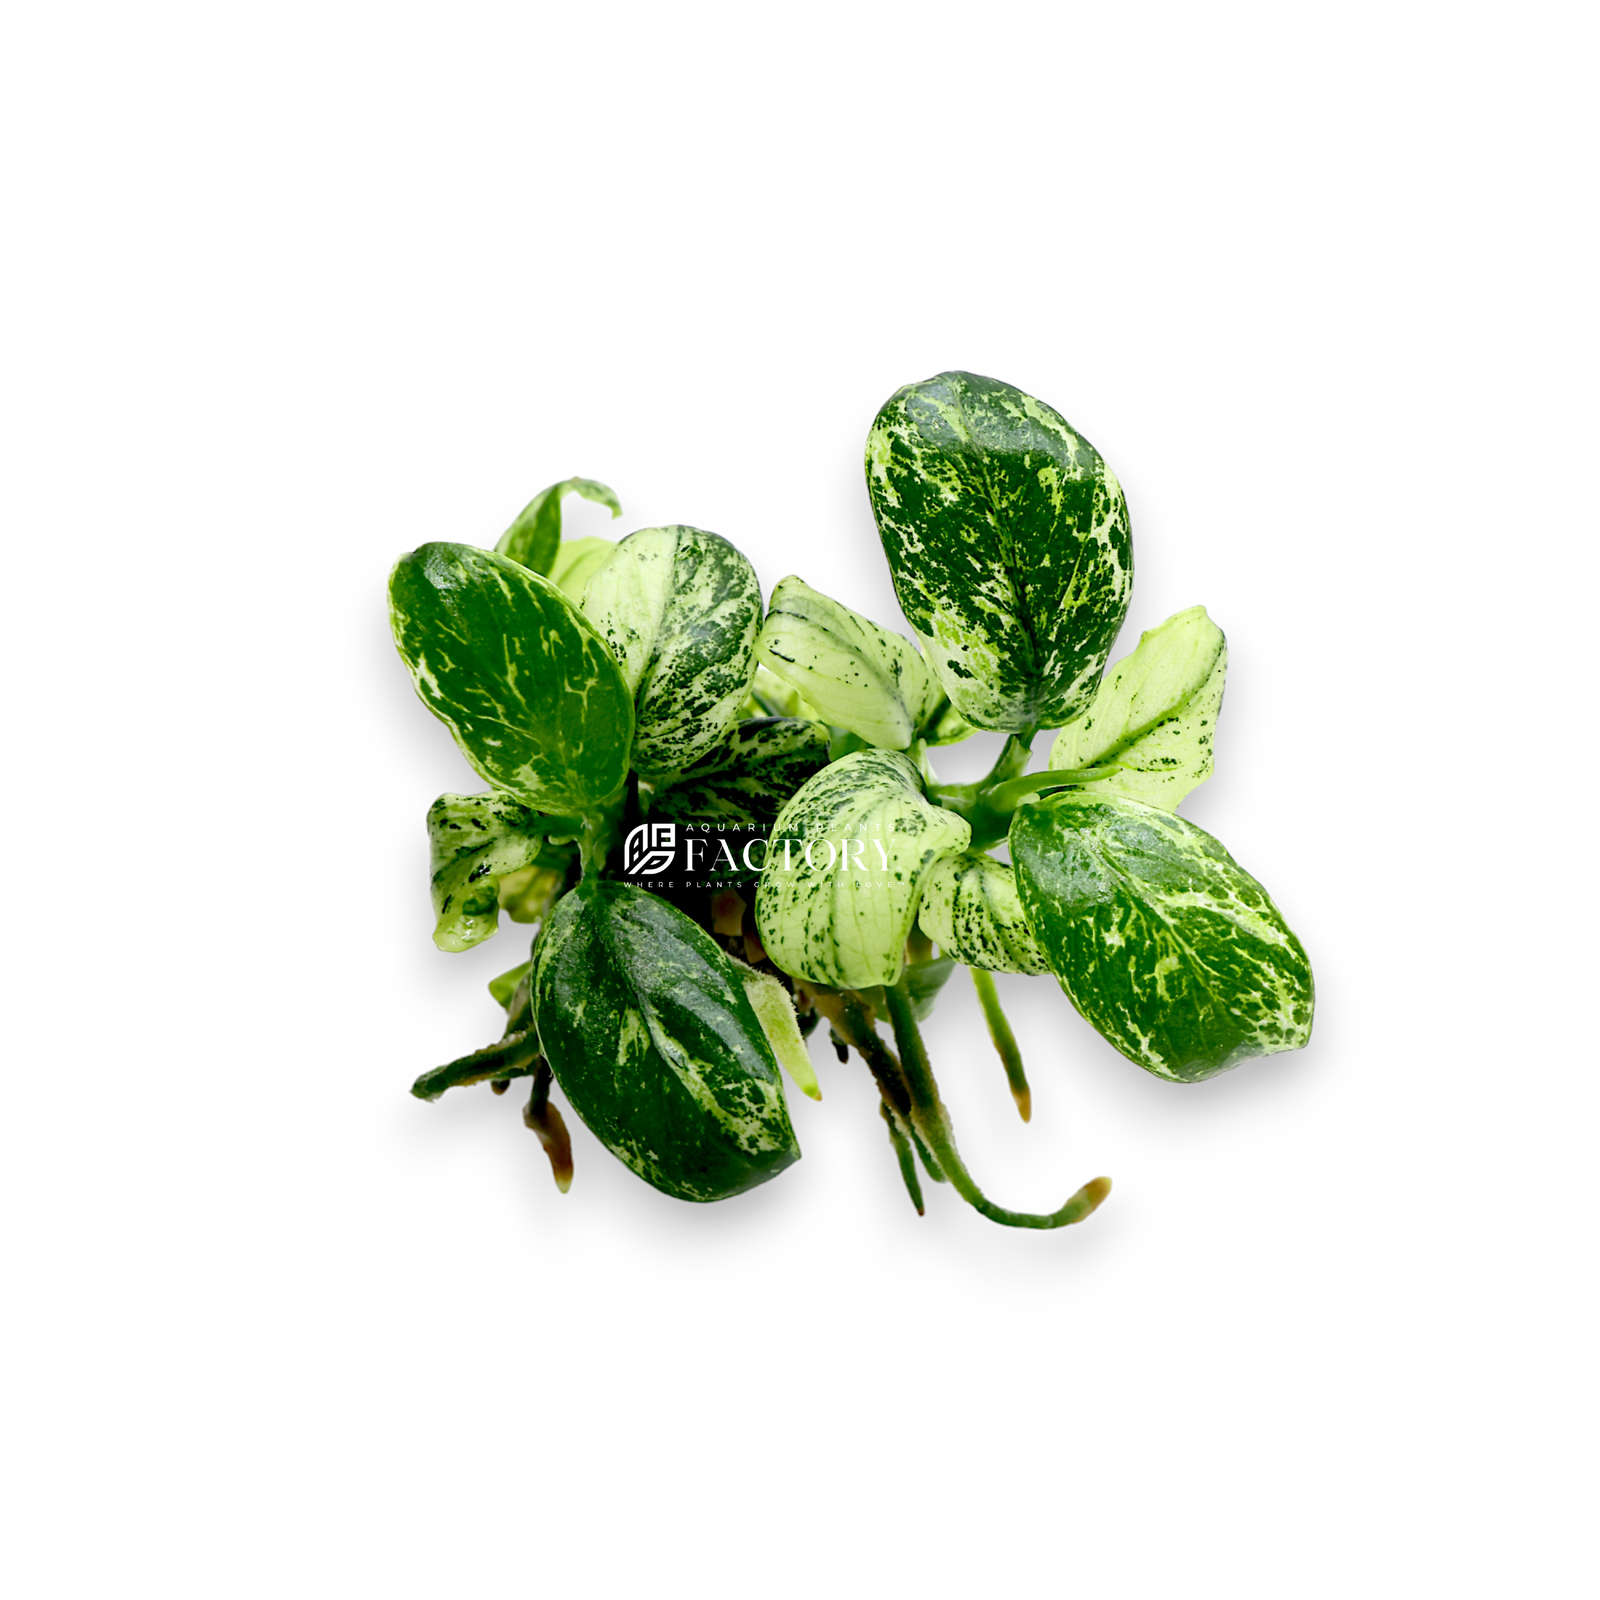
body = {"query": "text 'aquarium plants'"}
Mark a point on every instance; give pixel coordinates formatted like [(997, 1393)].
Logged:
[(723, 821)]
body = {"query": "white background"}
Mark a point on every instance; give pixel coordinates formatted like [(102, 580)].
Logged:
[(289, 290)]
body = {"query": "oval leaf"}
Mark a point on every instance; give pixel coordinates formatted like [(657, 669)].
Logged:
[(845, 868), (971, 911), (507, 663), (1160, 939), (856, 675), (1155, 714), (680, 609), (749, 776), (649, 1031), (534, 538), (1007, 536), (475, 840)]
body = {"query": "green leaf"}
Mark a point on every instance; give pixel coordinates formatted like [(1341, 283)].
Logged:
[(1155, 714), (1007, 536), (1160, 939), (971, 911), (770, 696), (680, 609), (858, 676), (576, 563), (509, 665), (475, 840), (533, 539), (845, 867), (947, 726), (748, 776), (652, 1037), (774, 1010), (923, 982), (527, 895), (504, 987)]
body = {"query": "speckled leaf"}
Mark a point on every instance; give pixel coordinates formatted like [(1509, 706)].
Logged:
[(1007, 536), (1162, 941), (576, 563), (971, 911), (841, 915), (748, 776), (533, 539), (475, 840), (508, 664), (857, 675), (649, 1031), (1155, 714), (680, 609)]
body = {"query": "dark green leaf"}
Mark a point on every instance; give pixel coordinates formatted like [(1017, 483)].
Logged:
[(1007, 536), (1162, 941), (652, 1038), (749, 776), (508, 664), (532, 540), (679, 609)]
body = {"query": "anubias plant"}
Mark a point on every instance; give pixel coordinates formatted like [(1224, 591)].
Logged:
[(597, 687)]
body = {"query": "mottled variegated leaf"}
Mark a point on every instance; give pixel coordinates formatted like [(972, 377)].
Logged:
[(971, 911), (1007, 537), (508, 664), (857, 675), (680, 609), (1162, 941), (576, 563), (533, 539), (1155, 714), (748, 776), (845, 868), (475, 840), (652, 1037)]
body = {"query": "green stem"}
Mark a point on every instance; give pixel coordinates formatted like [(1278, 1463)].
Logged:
[(511, 1057), (1005, 1041), (930, 1118), (902, 1154), (1006, 797)]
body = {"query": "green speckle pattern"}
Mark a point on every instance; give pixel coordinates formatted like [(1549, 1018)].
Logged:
[(1007, 536), (1155, 714), (1160, 939), (680, 609), (650, 1033), (842, 916), (748, 776), (509, 665), (475, 840), (971, 911), (535, 537), (857, 675)]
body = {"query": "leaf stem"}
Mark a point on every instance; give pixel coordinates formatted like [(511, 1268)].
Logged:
[(545, 1120), (902, 1154), (1005, 1041)]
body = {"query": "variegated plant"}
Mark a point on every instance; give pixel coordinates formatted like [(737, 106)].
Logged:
[(599, 687)]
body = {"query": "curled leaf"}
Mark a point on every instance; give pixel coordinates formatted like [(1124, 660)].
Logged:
[(749, 775), (534, 538), (858, 676), (1154, 715), (845, 867), (971, 911)]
